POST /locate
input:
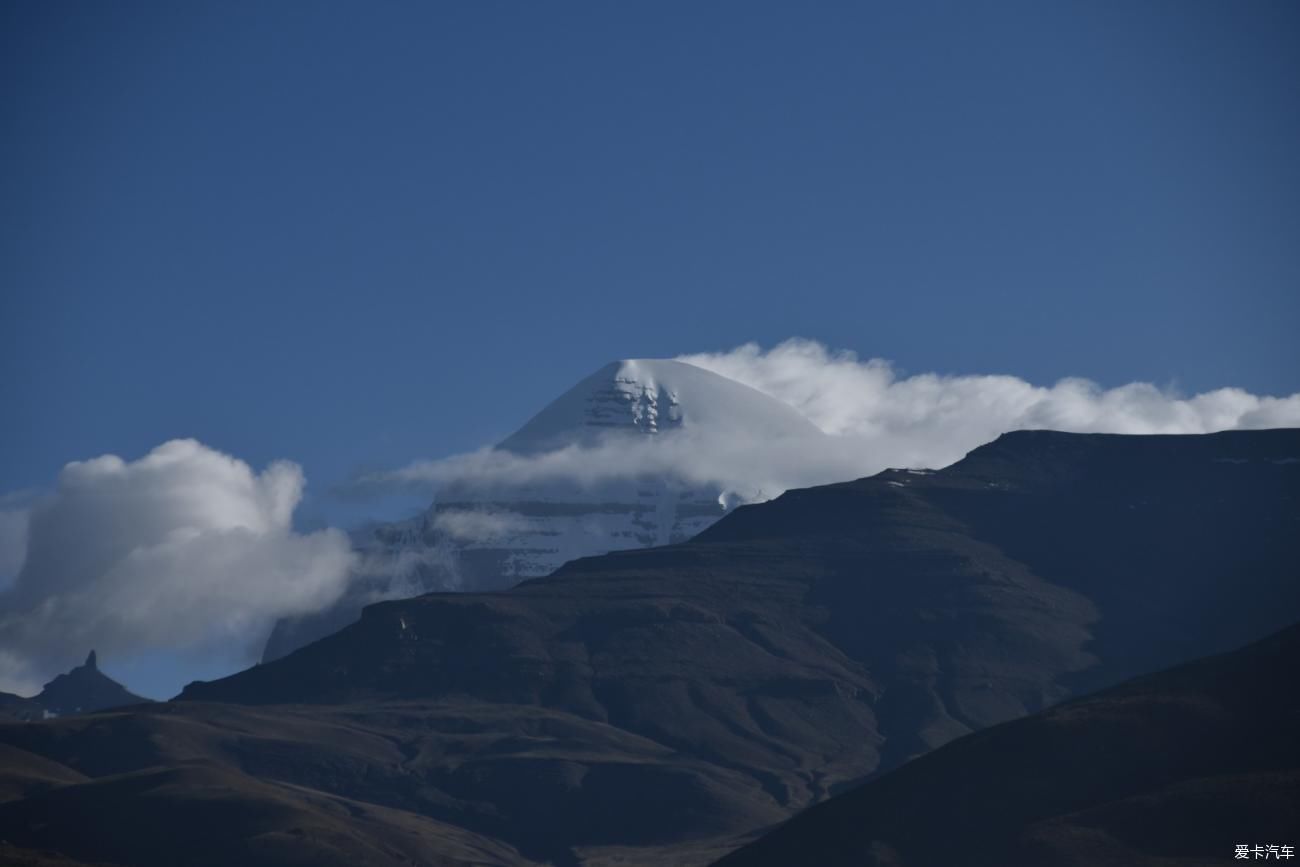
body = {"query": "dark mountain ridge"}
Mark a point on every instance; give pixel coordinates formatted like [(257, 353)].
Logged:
[(1042, 563), (691, 695), (1175, 768)]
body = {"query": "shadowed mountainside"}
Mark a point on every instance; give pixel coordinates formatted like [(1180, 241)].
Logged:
[(664, 705), (1175, 768), (912, 606)]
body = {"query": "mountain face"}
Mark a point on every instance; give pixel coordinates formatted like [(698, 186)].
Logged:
[(1175, 768), (492, 529), (836, 632), (84, 689), (665, 705), (649, 397)]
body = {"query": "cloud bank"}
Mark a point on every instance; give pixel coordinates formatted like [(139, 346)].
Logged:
[(181, 550), (928, 420), (871, 419)]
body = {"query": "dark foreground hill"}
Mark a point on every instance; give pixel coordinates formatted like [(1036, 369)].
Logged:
[(664, 705), (1176, 768)]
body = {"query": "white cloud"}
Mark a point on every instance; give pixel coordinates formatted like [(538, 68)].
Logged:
[(181, 550), (747, 465), (872, 419), (13, 544), (932, 420), (473, 525), (402, 571)]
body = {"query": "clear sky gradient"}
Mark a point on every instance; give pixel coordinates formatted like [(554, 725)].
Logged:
[(357, 234)]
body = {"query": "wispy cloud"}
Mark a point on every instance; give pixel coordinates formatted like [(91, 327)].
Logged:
[(478, 526)]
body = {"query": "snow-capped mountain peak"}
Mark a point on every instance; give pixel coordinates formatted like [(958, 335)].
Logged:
[(490, 533), (653, 396)]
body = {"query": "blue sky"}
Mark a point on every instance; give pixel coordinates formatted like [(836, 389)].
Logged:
[(354, 235)]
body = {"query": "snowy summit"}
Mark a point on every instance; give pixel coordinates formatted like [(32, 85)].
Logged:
[(652, 396)]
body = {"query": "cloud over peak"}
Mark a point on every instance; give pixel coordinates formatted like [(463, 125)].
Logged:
[(870, 416)]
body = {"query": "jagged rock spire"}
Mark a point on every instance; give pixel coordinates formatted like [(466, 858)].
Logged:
[(92, 662)]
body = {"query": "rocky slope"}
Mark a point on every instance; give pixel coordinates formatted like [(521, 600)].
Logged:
[(1176, 768)]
